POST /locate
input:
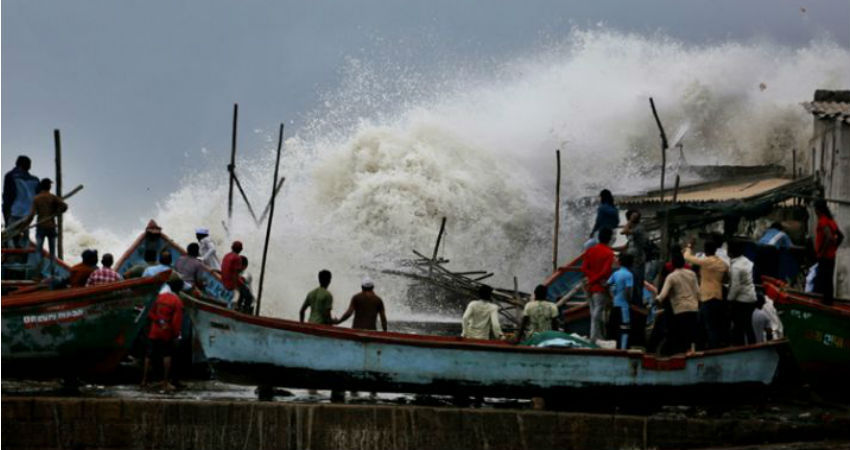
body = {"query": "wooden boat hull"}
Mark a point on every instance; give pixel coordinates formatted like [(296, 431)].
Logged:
[(80, 331), (25, 270), (819, 335), (274, 352), (213, 287)]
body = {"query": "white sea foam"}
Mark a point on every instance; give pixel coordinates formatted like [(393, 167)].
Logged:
[(392, 151)]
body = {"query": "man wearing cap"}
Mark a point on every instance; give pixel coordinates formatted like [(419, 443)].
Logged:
[(366, 306), (207, 249), (230, 268)]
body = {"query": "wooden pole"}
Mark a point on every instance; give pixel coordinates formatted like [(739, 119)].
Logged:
[(439, 238), (794, 164), (813, 160), (57, 142), (269, 226), (666, 232), (663, 146), (266, 209), (232, 166), (557, 209)]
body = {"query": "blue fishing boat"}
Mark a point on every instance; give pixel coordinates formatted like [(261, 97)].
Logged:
[(154, 238), (265, 351), (20, 268)]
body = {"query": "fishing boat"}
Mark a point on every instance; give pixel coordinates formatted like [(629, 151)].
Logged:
[(265, 351), (77, 331), (154, 238), (819, 334), (20, 268)]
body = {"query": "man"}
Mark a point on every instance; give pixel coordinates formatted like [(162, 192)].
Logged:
[(622, 288), (231, 265), (164, 264), (712, 310), (246, 297), (366, 307), (827, 239), (207, 249), (742, 295), (166, 318), (762, 329), (320, 302), (596, 265), (682, 291), (105, 274), (775, 237), (190, 268), (637, 248), (80, 273), (538, 315), (481, 318), (136, 271), (19, 189), (45, 208)]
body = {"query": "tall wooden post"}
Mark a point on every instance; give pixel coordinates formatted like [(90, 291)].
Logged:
[(813, 160), (232, 166), (57, 142), (794, 163), (663, 146), (665, 232), (271, 216), (557, 209)]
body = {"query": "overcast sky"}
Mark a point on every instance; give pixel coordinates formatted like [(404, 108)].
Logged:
[(137, 85)]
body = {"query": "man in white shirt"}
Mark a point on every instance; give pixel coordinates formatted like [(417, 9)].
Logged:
[(481, 318), (207, 249), (742, 295)]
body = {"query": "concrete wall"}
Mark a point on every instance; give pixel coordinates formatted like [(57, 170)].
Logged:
[(112, 423)]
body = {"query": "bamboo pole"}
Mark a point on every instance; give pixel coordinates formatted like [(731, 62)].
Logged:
[(663, 146), (271, 216), (57, 142), (232, 166), (439, 238), (557, 209), (245, 198)]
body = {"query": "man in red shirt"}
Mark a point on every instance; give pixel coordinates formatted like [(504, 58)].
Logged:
[(231, 265), (166, 318), (596, 265), (827, 239)]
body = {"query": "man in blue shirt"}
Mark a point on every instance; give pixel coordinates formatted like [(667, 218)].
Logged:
[(621, 283), (775, 236), (19, 189)]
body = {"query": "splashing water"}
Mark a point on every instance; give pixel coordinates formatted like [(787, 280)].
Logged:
[(392, 151)]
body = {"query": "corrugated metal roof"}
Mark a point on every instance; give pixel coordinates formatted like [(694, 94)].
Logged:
[(829, 110), (716, 191)]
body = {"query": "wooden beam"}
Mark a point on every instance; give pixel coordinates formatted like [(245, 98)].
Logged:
[(232, 166), (269, 226), (557, 209), (60, 247)]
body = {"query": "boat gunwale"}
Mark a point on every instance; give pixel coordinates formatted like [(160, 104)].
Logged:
[(42, 297), (451, 342), (784, 297)]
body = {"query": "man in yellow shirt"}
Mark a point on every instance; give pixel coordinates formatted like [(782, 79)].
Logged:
[(712, 309)]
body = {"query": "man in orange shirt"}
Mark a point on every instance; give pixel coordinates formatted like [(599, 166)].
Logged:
[(45, 208), (80, 273), (596, 265), (166, 318)]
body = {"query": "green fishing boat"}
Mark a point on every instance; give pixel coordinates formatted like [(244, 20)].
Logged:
[(819, 334), (74, 332)]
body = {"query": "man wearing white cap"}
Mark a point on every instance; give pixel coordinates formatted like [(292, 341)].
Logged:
[(366, 306), (207, 249)]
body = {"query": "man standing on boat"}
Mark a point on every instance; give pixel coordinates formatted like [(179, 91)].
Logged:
[(105, 274), (481, 318), (207, 249), (742, 295), (712, 308), (682, 292), (596, 265), (19, 189), (827, 239), (45, 208), (366, 306), (320, 301), (230, 268), (622, 286), (136, 271)]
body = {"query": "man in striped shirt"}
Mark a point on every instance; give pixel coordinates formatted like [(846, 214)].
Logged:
[(105, 274)]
